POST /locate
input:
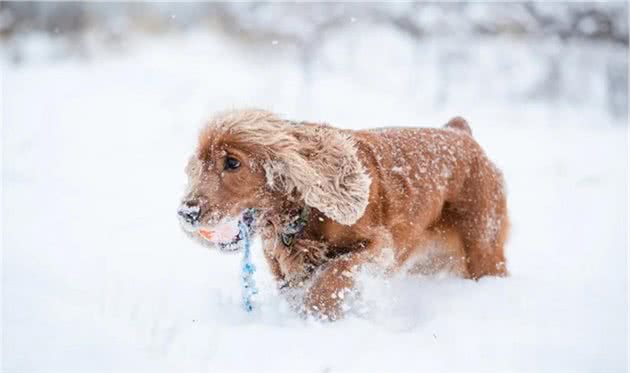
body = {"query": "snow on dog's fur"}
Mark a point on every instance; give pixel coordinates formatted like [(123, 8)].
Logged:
[(423, 193)]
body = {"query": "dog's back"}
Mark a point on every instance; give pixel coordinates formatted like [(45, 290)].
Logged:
[(428, 177), (418, 168)]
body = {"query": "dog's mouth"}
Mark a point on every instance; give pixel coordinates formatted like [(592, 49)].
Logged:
[(229, 235), (226, 237)]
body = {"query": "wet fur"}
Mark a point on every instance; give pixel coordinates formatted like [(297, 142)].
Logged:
[(430, 196)]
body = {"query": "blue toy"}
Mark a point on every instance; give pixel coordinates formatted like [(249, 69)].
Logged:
[(247, 267)]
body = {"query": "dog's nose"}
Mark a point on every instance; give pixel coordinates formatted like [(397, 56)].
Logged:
[(190, 212)]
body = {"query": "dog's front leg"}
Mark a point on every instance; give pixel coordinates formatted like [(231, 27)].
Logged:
[(326, 295)]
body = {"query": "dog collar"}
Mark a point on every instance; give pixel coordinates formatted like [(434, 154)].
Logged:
[(295, 227)]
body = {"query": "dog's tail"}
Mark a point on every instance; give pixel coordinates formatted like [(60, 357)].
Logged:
[(460, 124)]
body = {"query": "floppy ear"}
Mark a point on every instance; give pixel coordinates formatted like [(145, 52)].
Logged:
[(321, 163)]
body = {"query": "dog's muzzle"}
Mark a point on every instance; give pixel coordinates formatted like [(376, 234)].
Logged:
[(247, 218), (220, 235), (189, 212)]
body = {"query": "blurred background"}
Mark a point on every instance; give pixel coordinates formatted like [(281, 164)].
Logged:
[(101, 106), (437, 54)]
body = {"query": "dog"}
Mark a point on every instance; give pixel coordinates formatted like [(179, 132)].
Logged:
[(328, 201)]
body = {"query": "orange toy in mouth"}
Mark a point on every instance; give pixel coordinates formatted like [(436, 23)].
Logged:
[(205, 234), (223, 233)]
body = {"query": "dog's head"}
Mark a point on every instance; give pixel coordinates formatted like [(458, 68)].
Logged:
[(252, 159)]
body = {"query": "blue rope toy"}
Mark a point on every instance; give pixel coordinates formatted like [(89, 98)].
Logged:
[(248, 285)]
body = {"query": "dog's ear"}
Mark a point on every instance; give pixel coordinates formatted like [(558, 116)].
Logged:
[(321, 163)]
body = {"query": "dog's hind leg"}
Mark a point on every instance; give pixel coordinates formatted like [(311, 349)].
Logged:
[(484, 238), (481, 217)]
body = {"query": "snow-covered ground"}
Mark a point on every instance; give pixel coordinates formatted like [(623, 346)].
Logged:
[(96, 274)]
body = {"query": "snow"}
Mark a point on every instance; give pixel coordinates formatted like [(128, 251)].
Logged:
[(97, 273)]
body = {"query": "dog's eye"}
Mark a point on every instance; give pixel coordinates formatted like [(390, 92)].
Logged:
[(231, 164)]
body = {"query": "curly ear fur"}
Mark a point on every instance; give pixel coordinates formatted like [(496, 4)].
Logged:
[(318, 161), (327, 172)]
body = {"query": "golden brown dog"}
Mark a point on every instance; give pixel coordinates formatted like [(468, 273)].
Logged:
[(328, 201)]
